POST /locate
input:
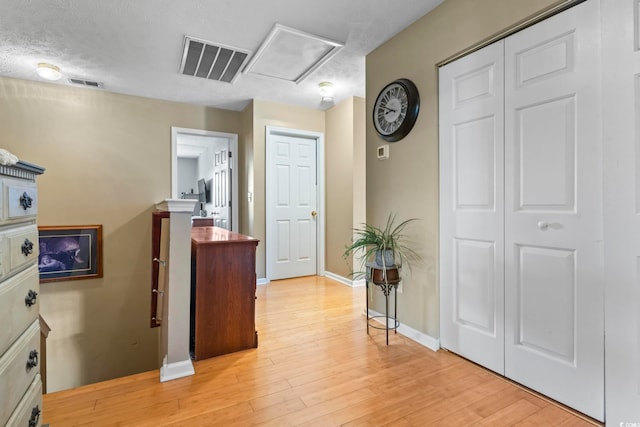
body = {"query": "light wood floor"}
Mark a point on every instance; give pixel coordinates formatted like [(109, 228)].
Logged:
[(315, 366)]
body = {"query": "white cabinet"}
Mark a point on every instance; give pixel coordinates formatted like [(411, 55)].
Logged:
[(20, 382)]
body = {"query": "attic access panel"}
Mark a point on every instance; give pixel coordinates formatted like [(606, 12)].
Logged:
[(291, 55)]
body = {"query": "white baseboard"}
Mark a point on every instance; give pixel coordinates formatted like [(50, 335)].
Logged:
[(344, 280), (359, 283), (337, 278), (262, 281), (421, 338), (175, 370)]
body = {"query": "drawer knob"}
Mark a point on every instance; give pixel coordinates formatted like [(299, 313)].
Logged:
[(27, 247), (31, 298), (35, 417), (161, 262), (26, 201), (33, 360)]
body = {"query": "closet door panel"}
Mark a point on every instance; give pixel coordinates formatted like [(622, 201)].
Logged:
[(471, 207), (474, 285), (554, 274), (545, 153), (543, 272)]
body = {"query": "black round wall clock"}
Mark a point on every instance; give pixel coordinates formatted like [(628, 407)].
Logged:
[(396, 110)]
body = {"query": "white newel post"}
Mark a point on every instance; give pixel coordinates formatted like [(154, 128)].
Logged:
[(174, 342)]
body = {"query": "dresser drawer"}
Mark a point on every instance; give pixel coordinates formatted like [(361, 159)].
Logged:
[(18, 369), (19, 305), (20, 247), (21, 199), (29, 410)]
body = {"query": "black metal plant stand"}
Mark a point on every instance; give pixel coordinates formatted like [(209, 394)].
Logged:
[(387, 279)]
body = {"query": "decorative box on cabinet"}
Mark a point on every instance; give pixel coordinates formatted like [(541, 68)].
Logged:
[(223, 292), (20, 382)]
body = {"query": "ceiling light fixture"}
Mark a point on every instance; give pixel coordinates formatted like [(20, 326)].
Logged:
[(48, 71), (326, 90)]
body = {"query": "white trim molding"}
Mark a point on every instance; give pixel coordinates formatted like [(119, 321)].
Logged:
[(338, 278), (413, 334), (175, 370), (353, 283), (262, 281), (176, 205)]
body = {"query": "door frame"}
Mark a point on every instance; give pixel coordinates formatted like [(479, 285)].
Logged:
[(270, 132), (233, 147)]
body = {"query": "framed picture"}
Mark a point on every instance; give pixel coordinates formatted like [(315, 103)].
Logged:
[(70, 252)]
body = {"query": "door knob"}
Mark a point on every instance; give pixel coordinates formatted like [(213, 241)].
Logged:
[(544, 225), (314, 214)]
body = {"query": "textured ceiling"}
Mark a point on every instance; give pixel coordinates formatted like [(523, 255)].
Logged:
[(135, 46)]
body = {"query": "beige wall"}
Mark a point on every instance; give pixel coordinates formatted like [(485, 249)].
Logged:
[(107, 160), (359, 163), (267, 113), (407, 183), (344, 181)]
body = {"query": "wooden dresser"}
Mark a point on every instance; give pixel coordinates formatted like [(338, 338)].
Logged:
[(223, 289), (20, 384)]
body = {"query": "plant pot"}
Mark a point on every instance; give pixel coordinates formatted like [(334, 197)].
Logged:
[(389, 259), (388, 275)]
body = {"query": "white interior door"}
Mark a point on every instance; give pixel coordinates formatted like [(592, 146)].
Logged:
[(471, 207), (221, 193), (553, 209), (292, 204)]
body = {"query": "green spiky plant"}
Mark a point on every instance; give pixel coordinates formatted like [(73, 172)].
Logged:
[(372, 240)]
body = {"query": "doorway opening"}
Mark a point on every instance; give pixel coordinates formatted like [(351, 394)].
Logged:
[(204, 166)]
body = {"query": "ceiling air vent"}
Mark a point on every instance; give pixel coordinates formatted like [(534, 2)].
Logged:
[(212, 61), (87, 83)]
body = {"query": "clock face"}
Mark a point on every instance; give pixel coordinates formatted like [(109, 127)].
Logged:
[(396, 110), (391, 109)]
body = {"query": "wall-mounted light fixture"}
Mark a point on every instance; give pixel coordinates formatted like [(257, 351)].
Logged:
[(326, 91), (48, 71)]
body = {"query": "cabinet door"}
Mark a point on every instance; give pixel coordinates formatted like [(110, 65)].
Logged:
[(224, 317)]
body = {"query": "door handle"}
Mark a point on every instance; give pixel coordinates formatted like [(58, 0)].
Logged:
[(544, 225), (314, 214)]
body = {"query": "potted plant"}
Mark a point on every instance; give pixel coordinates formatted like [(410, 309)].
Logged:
[(385, 246)]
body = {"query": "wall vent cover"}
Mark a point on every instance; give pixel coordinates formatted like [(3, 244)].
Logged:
[(212, 61), (87, 83)]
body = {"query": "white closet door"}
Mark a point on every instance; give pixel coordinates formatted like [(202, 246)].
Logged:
[(554, 303), (471, 207), (621, 96)]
